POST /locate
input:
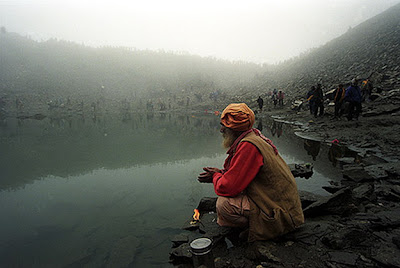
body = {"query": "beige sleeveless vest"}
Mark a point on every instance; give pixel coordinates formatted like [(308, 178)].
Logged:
[(275, 206)]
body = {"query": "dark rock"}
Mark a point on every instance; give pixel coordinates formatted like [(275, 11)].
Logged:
[(385, 236), (235, 260), (366, 144), (357, 174), (263, 252), (191, 225), (332, 188), (342, 257), (382, 110), (181, 254), (377, 172), (345, 160), (339, 203), (333, 241), (386, 256), (179, 240), (366, 217), (363, 192), (396, 241), (207, 204), (388, 192), (308, 198), (347, 237), (310, 232), (392, 169), (372, 207), (209, 226), (373, 160), (386, 219)]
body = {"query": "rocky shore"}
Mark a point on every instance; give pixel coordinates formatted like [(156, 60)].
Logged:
[(357, 225)]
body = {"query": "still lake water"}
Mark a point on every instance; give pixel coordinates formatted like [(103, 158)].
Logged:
[(113, 190)]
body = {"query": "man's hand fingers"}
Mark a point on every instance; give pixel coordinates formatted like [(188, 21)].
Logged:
[(206, 180), (204, 174)]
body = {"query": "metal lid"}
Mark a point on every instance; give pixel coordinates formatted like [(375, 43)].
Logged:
[(201, 246)]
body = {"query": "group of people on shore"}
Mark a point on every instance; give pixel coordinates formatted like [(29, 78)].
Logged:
[(276, 96), (345, 99)]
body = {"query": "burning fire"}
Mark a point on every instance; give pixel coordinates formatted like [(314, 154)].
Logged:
[(196, 215)]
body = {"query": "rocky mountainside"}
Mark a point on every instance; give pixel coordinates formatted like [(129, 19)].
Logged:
[(372, 47)]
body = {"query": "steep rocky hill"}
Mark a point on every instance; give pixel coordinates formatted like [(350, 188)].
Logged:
[(372, 47)]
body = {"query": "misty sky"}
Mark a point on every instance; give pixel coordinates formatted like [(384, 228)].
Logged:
[(251, 30)]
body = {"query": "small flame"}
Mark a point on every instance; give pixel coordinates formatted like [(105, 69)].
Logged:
[(196, 215)]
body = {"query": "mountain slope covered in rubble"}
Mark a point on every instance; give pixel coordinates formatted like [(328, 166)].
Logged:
[(373, 47)]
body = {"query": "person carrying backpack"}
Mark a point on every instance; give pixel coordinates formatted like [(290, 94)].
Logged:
[(338, 100)]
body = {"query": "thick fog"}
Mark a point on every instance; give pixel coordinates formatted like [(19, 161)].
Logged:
[(254, 30)]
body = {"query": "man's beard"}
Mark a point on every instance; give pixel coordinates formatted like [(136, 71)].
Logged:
[(229, 138)]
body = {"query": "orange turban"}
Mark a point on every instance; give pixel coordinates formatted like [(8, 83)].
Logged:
[(238, 116)]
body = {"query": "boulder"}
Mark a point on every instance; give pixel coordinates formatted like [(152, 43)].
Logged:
[(179, 240), (181, 254), (307, 198), (207, 204), (339, 203), (357, 174)]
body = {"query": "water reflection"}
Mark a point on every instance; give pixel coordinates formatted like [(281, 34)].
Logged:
[(298, 150), (73, 145), (312, 147), (99, 217), (276, 128), (338, 151), (100, 189)]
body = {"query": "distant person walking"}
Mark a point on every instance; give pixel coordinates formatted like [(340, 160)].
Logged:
[(310, 99), (274, 97), (366, 89), (260, 102), (354, 97), (338, 100), (318, 101), (281, 96)]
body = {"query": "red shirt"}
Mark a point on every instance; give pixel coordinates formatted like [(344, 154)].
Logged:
[(243, 168)]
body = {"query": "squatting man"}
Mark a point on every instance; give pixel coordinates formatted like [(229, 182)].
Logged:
[(256, 189)]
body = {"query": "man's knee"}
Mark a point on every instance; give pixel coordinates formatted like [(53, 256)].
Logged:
[(230, 213), (222, 205)]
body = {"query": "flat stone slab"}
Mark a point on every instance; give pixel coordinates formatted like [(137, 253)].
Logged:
[(343, 257), (336, 204), (307, 198), (357, 174)]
